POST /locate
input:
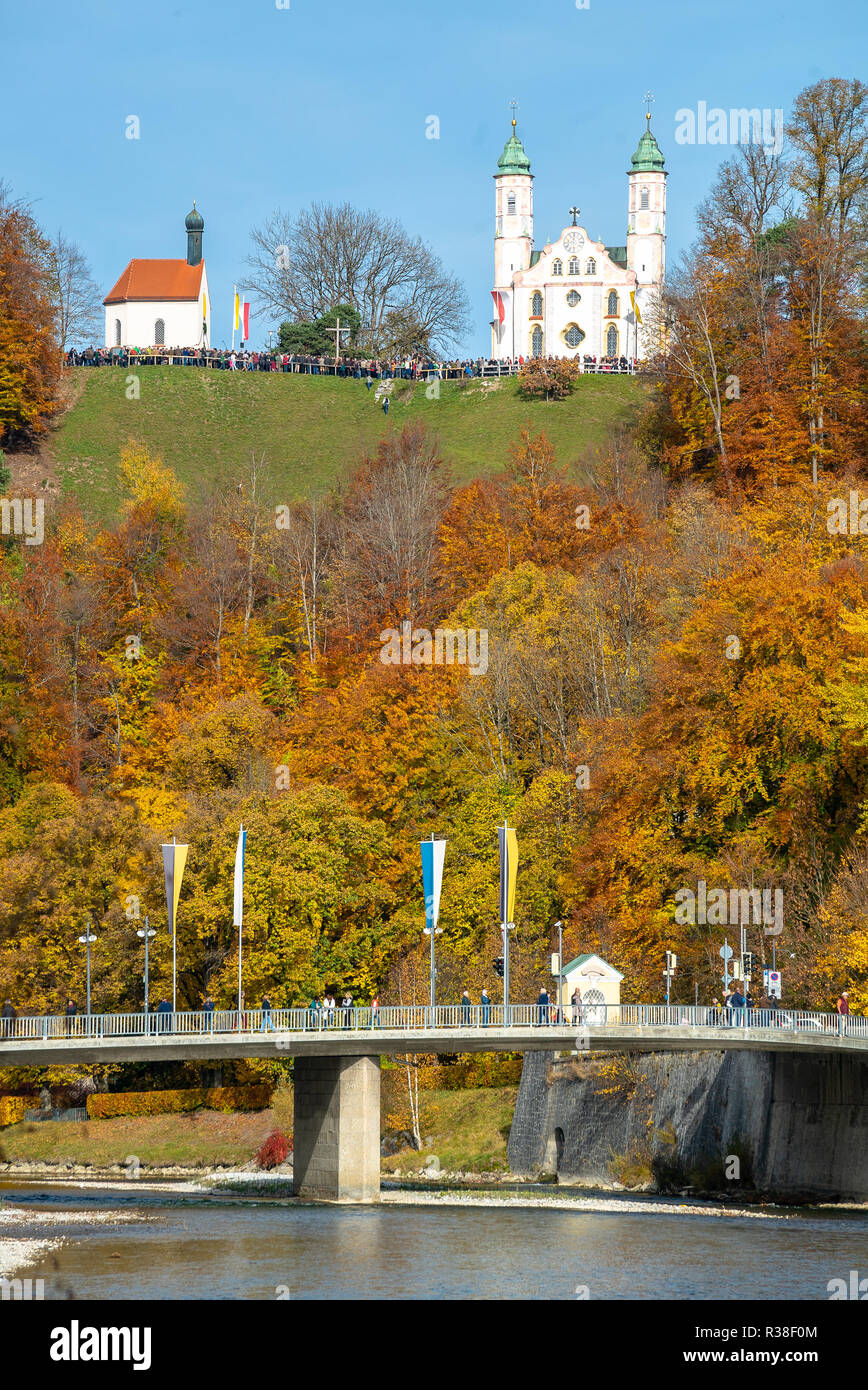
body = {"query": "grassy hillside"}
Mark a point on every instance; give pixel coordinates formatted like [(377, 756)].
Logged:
[(467, 1130), (312, 430)]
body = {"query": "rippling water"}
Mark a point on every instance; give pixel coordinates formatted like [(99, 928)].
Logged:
[(191, 1248)]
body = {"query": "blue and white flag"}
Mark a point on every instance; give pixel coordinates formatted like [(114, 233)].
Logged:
[(433, 855), (239, 878)]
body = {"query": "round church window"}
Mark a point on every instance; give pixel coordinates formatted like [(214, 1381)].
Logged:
[(573, 336), (573, 298)]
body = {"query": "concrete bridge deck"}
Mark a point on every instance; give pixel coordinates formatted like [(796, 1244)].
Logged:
[(337, 1064)]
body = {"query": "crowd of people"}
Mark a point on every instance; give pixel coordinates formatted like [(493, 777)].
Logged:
[(272, 360)]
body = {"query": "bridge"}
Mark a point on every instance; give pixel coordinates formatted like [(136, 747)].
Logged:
[(337, 1055)]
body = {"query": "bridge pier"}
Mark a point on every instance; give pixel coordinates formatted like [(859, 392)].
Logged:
[(337, 1128)]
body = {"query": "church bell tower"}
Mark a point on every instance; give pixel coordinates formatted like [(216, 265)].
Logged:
[(195, 224), (513, 236)]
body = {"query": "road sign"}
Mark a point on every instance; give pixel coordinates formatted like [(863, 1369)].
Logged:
[(772, 982), (726, 952)]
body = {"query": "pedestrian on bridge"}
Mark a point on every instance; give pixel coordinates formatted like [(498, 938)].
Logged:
[(843, 1008), (69, 1014), (329, 1006), (576, 1001), (164, 1008), (209, 1014), (486, 1007), (267, 1025), (543, 1007), (375, 1011), (347, 1009), (7, 1014), (466, 1005)]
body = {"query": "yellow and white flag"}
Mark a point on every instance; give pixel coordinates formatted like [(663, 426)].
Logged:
[(635, 306)]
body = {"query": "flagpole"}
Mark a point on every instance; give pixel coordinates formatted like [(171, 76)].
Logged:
[(174, 946), (234, 297), (240, 919)]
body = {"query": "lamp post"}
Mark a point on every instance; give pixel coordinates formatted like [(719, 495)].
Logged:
[(433, 855), (86, 942), (560, 927), (146, 934)]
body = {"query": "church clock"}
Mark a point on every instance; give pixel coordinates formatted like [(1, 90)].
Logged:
[(573, 241)]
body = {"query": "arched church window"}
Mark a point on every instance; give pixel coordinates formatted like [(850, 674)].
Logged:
[(159, 332), (643, 197), (573, 335), (591, 267), (557, 267), (536, 341), (594, 1006), (536, 304), (510, 204), (612, 341), (612, 303), (117, 332), (574, 267)]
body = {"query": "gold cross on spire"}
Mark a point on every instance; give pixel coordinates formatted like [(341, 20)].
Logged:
[(649, 102), (514, 106)]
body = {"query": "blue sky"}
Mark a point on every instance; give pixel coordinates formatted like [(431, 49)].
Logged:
[(248, 107)]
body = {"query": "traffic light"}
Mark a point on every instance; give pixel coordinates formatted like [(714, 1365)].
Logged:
[(498, 966), (747, 963), (671, 962)]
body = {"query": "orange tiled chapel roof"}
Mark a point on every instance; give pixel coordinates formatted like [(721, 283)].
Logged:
[(157, 280)]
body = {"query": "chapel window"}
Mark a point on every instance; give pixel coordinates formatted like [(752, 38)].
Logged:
[(536, 342), (573, 336), (536, 304), (612, 341), (591, 267), (510, 204), (117, 332), (612, 303), (574, 267), (159, 333), (643, 197), (557, 267)]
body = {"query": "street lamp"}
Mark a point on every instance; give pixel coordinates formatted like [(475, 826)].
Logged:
[(560, 927), (146, 933), (86, 941)]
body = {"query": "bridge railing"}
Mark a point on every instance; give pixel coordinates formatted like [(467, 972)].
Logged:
[(412, 1018)]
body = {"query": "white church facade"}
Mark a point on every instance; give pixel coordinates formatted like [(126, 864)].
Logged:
[(576, 296), (158, 303)]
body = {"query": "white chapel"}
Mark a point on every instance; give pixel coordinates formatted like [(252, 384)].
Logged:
[(576, 296), (162, 302)]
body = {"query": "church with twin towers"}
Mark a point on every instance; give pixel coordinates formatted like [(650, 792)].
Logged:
[(576, 296)]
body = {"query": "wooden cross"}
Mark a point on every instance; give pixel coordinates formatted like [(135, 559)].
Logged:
[(574, 212), (337, 331)]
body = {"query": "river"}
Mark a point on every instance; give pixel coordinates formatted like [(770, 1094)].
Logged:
[(90, 1242)]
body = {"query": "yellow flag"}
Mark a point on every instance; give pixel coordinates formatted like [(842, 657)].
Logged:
[(174, 860), (236, 321), (635, 306)]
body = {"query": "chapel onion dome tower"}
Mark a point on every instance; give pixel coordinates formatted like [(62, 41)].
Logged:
[(195, 224), (513, 212), (646, 221)]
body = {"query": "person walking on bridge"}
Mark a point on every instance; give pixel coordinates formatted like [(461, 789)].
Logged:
[(209, 1014), (375, 1011), (466, 1005), (70, 1012), (7, 1013), (267, 1025), (542, 1007), (576, 1001), (486, 1007), (843, 1008)]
